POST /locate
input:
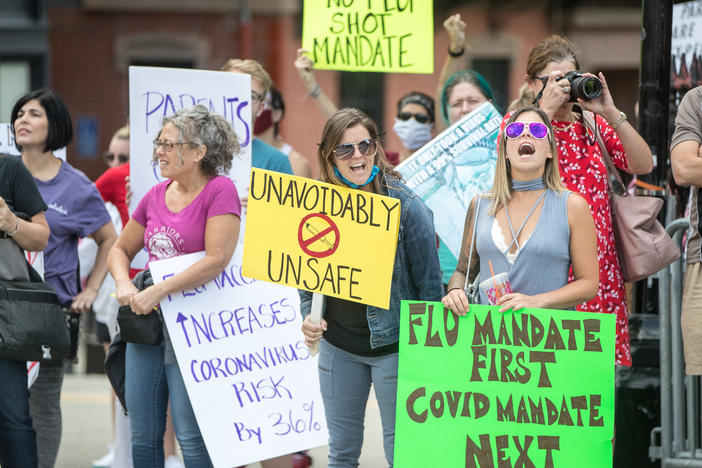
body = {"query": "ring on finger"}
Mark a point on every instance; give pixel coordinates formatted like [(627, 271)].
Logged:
[(566, 89)]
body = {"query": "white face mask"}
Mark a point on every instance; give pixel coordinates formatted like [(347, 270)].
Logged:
[(411, 133)]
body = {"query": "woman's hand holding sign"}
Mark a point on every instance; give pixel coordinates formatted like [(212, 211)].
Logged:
[(313, 331), (457, 301)]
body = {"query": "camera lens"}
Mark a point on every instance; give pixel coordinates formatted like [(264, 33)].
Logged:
[(591, 87), (586, 87)]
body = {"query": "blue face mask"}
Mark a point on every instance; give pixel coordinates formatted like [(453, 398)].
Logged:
[(374, 172)]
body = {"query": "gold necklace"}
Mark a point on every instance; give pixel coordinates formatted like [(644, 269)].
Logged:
[(570, 124)]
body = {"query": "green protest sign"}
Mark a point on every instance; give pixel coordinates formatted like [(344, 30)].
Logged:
[(370, 35), (489, 390)]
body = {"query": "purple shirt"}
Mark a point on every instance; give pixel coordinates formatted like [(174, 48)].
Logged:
[(168, 234), (75, 210)]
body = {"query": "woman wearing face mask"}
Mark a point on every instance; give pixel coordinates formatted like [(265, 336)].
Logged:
[(267, 128), (414, 122)]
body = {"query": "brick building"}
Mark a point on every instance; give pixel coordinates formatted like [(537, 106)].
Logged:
[(82, 48)]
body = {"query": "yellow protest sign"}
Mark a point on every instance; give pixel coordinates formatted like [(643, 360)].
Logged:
[(370, 35), (324, 238)]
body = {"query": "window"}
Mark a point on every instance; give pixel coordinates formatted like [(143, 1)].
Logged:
[(12, 10), (15, 80), (164, 63), (496, 72), (162, 50), (363, 90)]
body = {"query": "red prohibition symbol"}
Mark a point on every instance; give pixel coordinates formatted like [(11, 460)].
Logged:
[(319, 232)]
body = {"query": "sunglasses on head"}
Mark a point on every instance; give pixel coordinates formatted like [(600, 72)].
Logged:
[(536, 129), (366, 147), (122, 158), (421, 118)]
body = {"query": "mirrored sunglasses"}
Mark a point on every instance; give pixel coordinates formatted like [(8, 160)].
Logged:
[(366, 147), (122, 158), (421, 118), (536, 129)]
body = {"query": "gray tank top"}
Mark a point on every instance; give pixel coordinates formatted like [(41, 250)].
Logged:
[(543, 262)]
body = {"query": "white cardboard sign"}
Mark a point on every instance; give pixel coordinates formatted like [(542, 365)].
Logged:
[(155, 93), (252, 383)]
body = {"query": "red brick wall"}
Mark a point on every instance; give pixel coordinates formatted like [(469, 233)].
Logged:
[(84, 67)]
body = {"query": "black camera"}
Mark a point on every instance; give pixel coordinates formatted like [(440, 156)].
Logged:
[(581, 86)]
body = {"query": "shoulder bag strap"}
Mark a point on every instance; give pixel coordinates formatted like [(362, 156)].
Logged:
[(472, 239), (612, 171)]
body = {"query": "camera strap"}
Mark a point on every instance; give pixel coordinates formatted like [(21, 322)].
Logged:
[(590, 124), (538, 96)]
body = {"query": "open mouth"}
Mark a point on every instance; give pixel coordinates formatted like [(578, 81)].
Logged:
[(526, 148), (360, 167)]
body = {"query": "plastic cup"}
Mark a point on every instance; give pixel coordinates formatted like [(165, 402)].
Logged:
[(495, 287)]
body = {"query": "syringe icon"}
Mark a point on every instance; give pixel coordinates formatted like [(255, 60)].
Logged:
[(314, 231)]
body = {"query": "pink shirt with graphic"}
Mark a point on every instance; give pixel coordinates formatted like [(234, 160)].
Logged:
[(168, 234)]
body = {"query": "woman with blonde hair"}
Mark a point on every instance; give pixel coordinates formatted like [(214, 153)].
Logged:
[(528, 226), (580, 158)]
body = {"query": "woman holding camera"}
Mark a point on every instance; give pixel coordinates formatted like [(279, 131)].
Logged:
[(581, 163)]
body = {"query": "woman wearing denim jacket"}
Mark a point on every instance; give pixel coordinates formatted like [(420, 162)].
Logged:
[(358, 343)]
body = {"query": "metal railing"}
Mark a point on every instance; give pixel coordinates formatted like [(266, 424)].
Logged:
[(676, 442)]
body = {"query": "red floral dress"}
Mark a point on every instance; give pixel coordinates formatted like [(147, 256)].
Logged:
[(583, 171)]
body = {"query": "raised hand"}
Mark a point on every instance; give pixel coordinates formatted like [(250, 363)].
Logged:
[(456, 30)]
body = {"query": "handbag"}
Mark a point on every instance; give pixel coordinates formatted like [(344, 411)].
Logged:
[(32, 322), (142, 329), (115, 367), (13, 266), (472, 290), (643, 245)]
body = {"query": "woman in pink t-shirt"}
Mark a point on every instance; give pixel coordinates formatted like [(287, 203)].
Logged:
[(195, 210)]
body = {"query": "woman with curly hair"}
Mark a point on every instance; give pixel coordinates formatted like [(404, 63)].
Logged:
[(195, 209)]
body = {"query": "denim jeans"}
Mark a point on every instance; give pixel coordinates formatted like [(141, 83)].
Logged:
[(148, 382), (18, 444), (345, 381)]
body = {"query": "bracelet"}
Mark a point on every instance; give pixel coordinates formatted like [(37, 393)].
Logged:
[(456, 54), (315, 92), (451, 289), (10, 234), (617, 123)]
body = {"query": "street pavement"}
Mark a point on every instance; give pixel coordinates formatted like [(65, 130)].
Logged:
[(85, 402)]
